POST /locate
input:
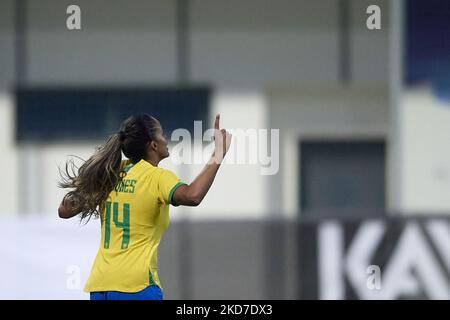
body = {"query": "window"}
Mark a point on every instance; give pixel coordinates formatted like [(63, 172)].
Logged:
[(61, 114)]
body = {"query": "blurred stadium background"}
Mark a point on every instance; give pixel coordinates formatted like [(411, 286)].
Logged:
[(364, 158)]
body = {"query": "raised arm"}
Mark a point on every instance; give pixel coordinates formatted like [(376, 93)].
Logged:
[(193, 194)]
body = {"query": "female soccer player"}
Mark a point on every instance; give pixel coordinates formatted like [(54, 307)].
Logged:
[(132, 198)]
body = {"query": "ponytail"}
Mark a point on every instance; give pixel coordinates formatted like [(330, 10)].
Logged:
[(98, 176), (95, 179)]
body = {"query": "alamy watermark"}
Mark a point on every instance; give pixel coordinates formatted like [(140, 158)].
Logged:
[(73, 21), (374, 279), (248, 146), (373, 22), (73, 280)]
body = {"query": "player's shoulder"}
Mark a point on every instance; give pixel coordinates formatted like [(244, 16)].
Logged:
[(149, 169), (163, 172)]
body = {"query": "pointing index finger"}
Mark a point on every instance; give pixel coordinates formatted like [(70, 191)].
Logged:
[(216, 122)]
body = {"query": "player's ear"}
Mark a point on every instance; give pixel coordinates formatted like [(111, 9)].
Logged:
[(153, 146)]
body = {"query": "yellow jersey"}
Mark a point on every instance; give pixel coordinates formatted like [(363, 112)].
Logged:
[(133, 219)]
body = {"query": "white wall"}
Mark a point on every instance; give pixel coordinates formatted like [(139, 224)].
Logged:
[(425, 153)]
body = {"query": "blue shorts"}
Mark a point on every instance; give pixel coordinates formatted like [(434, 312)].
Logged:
[(152, 292)]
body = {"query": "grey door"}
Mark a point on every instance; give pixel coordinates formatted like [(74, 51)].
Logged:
[(342, 179)]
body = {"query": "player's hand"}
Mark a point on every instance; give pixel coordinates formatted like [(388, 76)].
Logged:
[(222, 139)]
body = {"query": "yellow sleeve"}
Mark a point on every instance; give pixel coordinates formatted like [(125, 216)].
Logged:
[(168, 182)]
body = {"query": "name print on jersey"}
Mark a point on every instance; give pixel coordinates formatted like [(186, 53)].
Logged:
[(126, 186)]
